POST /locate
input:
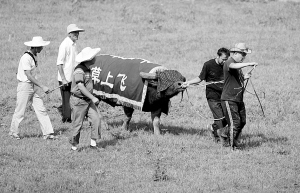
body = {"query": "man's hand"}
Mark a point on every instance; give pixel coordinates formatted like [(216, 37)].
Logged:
[(64, 83), (95, 101), (45, 89), (247, 76), (254, 64), (185, 85)]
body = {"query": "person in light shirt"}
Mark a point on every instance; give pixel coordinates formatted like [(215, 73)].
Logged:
[(66, 64), (26, 91)]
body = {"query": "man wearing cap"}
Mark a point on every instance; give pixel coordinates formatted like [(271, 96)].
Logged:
[(82, 101), (26, 91), (66, 64), (232, 95), (212, 73)]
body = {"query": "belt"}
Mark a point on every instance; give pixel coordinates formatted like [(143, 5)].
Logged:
[(83, 98)]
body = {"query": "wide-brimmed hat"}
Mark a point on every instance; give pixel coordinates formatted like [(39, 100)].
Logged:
[(73, 27), (87, 54), (240, 47), (37, 41)]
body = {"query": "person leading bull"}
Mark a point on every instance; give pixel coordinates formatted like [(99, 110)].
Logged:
[(212, 73)]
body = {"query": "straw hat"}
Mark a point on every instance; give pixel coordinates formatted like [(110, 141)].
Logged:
[(73, 27), (37, 41), (87, 54), (240, 47)]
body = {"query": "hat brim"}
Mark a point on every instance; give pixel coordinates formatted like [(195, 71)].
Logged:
[(247, 51), (92, 54), (76, 30), (37, 44)]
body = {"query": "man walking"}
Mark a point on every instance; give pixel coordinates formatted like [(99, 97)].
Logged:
[(66, 64), (232, 95), (212, 73), (83, 102), (26, 91)]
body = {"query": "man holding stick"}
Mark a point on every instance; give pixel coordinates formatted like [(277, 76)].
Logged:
[(232, 95), (26, 91)]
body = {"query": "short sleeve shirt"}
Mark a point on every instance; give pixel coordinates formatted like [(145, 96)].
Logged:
[(84, 75), (26, 63), (212, 72), (66, 56), (233, 89)]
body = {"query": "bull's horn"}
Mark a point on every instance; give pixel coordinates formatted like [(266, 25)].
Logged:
[(148, 75)]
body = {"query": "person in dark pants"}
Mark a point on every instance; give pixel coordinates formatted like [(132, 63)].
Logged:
[(83, 102), (232, 95), (212, 73), (65, 65)]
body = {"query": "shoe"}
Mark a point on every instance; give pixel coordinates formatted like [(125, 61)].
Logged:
[(213, 133), (225, 141), (74, 148), (96, 148), (93, 142), (49, 136), (64, 120), (14, 135)]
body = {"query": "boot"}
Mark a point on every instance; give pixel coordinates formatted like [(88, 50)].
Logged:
[(223, 133), (236, 142), (213, 132)]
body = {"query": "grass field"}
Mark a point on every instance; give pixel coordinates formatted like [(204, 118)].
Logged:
[(181, 35)]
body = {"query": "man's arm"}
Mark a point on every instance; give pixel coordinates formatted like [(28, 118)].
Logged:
[(60, 62), (241, 65), (84, 91), (35, 81), (62, 74), (196, 80)]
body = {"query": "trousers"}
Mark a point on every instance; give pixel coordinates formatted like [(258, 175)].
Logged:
[(235, 114), (80, 109), (217, 111), (25, 93), (65, 99)]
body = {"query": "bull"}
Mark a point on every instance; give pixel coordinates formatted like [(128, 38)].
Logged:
[(136, 84)]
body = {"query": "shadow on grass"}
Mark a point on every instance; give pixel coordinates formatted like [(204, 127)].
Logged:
[(175, 130), (57, 132), (104, 143), (256, 140)]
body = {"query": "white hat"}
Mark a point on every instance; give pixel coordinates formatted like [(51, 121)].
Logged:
[(37, 41), (73, 27), (240, 47), (87, 54)]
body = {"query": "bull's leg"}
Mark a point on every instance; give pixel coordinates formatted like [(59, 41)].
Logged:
[(155, 116), (128, 114)]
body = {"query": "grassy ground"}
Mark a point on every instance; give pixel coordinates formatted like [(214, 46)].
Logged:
[(182, 35)]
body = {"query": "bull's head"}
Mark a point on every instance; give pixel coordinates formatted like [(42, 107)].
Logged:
[(168, 82)]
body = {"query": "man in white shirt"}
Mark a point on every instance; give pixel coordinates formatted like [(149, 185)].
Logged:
[(26, 91), (66, 64)]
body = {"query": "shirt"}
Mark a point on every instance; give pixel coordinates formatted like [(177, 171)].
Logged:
[(212, 72), (66, 56), (84, 75), (233, 89), (26, 63)]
